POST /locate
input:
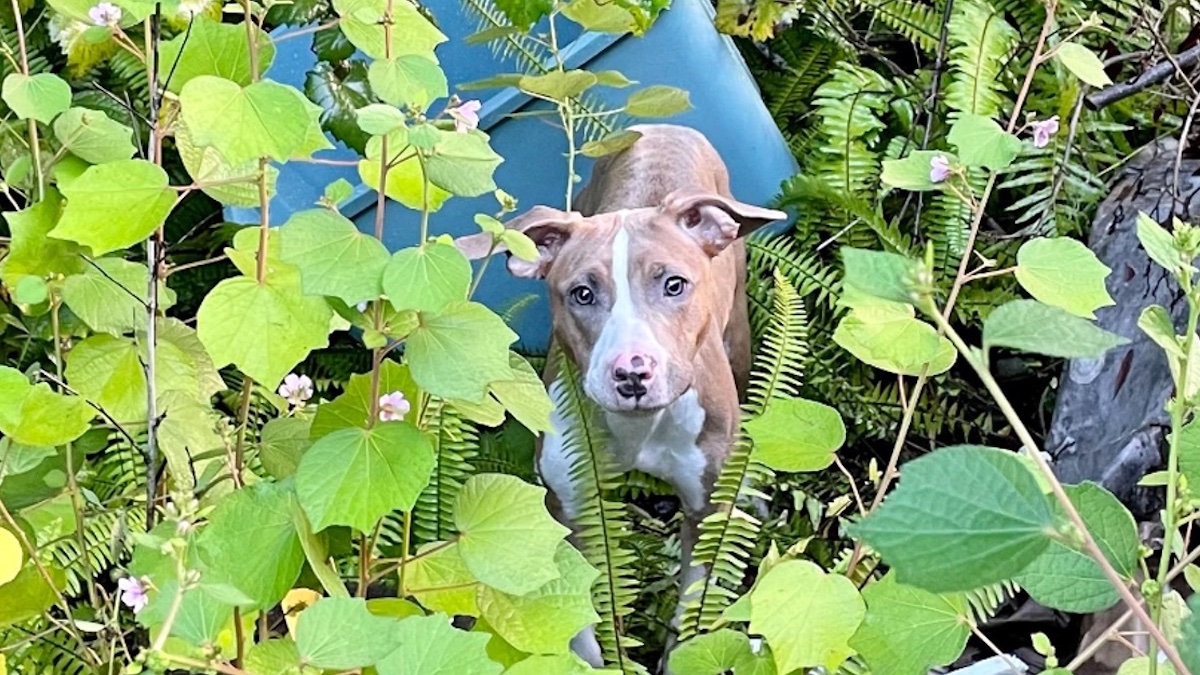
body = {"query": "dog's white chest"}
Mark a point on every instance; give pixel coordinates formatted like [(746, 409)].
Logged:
[(664, 445)]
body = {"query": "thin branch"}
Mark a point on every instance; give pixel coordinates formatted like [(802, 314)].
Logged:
[(196, 263), (1154, 75)]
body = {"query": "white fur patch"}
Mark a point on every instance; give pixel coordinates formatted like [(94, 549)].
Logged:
[(623, 324), (664, 445)]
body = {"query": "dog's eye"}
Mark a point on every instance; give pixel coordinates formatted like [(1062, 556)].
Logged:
[(674, 286), (582, 295)]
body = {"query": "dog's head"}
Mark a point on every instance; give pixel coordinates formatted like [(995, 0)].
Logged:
[(632, 292)]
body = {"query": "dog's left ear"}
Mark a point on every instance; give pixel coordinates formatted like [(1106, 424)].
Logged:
[(715, 221)]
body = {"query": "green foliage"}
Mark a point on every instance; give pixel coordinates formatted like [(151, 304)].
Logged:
[(909, 630), (1066, 578), (356, 476), (377, 467), (990, 489), (1030, 326), (806, 614)]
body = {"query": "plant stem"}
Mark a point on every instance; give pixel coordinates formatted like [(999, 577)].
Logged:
[(405, 549), (72, 484), (482, 269), (204, 665), (424, 200), (154, 246), (1031, 446), (317, 556), (1179, 408), (1088, 652), (164, 632), (569, 126), (34, 142), (364, 561), (239, 450)]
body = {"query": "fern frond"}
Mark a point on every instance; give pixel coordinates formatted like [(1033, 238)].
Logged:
[(917, 22), (52, 654), (982, 44), (849, 105), (454, 444), (507, 449), (777, 373), (729, 535), (807, 57), (105, 536), (1039, 210), (805, 272), (982, 603), (600, 526), (803, 190), (531, 56), (118, 471)]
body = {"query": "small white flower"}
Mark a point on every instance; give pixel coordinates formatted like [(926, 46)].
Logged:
[(362, 307), (105, 14), (297, 389), (466, 116), (1043, 131), (393, 406), (939, 168), (133, 594)]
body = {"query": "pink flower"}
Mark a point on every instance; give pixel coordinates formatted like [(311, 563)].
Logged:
[(297, 389), (466, 116), (105, 14), (133, 594), (1043, 131), (393, 406), (939, 168)]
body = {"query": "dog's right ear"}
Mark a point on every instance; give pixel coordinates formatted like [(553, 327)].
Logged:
[(548, 228)]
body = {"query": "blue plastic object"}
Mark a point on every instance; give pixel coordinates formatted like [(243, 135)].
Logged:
[(682, 49)]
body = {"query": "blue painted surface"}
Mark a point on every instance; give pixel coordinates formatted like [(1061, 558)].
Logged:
[(682, 49)]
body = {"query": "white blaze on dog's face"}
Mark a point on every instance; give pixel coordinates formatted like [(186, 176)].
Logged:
[(631, 292)]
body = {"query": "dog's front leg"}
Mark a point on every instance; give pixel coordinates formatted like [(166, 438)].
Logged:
[(691, 578), (562, 501)]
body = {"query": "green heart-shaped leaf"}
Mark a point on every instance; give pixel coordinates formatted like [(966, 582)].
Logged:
[(410, 79), (91, 136), (806, 615), (427, 278), (335, 258), (39, 97), (114, 206), (1064, 273), (264, 119), (356, 476), (962, 517), (210, 47), (506, 537), (910, 631), (264, 329)]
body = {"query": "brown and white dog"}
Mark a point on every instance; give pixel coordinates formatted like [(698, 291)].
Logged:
[(647, 296)]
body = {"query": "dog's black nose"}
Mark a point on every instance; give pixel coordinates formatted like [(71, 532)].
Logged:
[(632, 383)]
